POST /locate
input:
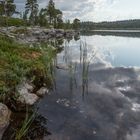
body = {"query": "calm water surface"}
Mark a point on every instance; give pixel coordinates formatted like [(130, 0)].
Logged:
[(96, 93)]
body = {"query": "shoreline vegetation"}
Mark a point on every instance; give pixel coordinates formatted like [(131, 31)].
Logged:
[(27, 58), (25, 76)]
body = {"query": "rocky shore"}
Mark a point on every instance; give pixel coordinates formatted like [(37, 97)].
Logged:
[(28, 95), (36, 34)]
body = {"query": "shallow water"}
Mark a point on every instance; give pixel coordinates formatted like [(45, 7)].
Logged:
[(96, 90)]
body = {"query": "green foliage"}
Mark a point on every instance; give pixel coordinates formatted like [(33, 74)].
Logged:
[(47, 17), (126, 24), (42, 20), (2, 12), (18, 61), (11, 21), (51, 15), (67, 25), (58, 21), (7, 8), (31, 8), (25, 125), (51, 11), (76, 24)]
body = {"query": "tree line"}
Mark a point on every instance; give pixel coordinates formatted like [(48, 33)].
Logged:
[(33, 15), (124, 24)]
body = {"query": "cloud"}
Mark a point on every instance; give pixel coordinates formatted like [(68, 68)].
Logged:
[(71, 8), (93, 10)]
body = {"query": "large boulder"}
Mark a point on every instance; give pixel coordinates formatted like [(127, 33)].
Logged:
[(4, 118)]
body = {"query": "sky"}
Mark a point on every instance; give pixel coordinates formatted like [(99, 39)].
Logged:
[(93, 10)]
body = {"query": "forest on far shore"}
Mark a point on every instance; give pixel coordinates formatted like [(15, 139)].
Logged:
[(122, 25)]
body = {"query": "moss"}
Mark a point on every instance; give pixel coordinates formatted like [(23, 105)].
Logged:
[(19, 61)]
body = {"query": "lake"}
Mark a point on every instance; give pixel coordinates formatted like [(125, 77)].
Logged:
[(96, 93)]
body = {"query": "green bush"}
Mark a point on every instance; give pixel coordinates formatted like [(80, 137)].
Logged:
[(11, 21)]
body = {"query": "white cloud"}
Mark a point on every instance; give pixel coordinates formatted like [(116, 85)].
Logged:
[(96, 10)]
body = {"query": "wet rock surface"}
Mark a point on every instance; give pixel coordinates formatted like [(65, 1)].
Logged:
[(4, 118)]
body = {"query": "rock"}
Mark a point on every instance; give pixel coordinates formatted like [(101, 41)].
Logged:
[(26, 85), (25, 95), (59, 35), (52, 33), (31, 39), (28, 98), (29, 87), (42, 91), (46, 31), (4, 118), (62, 66), (36, 34)]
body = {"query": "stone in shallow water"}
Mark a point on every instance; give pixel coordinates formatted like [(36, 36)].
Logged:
[(28, 98), (25, 97), (42, 91), (62, 66), (4, 118), (29, 87)]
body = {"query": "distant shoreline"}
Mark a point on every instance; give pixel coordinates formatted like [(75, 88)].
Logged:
[(118, 30), (123, 33), (114, 25)]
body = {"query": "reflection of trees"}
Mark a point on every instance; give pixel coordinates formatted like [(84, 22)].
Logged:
[(56, 42), (69, 39), (82, 66), (111, 33), (85, 69), (77, 37)]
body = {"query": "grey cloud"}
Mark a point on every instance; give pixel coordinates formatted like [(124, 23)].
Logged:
[(71, 8)]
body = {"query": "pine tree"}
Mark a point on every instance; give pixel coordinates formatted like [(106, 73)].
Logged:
[(51, 11), (54, 15), (43, 21), (58, 18), (7, 8), (31, 8), (76, 24)]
